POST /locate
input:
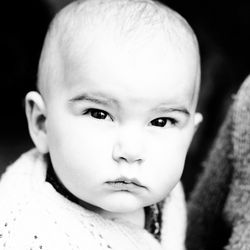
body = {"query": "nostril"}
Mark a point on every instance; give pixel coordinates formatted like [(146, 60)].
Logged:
[(123, 159), (128, 145), (120, 155), (130, 160)]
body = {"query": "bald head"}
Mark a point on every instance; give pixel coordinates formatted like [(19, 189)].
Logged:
[(131, 23)]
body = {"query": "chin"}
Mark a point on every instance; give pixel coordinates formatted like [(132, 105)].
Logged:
[(124, 204)]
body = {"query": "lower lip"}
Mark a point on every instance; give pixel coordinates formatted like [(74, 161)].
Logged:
[(121, 186)]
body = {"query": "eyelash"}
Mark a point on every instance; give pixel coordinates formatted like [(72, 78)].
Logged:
[(163, 122), (158, 122), (97, 113)]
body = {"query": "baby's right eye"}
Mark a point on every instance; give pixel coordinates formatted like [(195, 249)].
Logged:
[(97, 113)]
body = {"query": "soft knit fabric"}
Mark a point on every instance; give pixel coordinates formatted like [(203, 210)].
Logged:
[(34, 216), (219, 207)]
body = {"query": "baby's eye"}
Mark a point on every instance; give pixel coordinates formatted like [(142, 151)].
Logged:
[(97, 113), (163, 122)]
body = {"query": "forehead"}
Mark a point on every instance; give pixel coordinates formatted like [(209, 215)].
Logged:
[(144, 70)]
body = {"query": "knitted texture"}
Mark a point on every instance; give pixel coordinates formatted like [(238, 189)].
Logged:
[(35, 216), (219, 206)]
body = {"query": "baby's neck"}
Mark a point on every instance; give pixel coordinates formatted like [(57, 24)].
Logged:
[(137, 217)]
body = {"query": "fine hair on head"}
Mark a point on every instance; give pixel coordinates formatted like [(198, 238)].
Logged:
[(129, 21)]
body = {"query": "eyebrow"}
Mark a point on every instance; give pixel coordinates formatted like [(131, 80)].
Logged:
[(101, 99), (182, 110), (95, 98)]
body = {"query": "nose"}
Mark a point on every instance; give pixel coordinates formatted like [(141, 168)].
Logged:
[(128, 146)]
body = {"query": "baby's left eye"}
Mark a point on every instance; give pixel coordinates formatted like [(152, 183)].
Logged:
[(163, 122)]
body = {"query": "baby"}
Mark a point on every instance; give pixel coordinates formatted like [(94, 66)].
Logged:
[(112, 122)]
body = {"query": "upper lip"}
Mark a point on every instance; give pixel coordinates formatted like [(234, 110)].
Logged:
[(125, 181)]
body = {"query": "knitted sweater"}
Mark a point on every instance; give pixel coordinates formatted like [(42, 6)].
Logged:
[(219, 207), (33, 215)]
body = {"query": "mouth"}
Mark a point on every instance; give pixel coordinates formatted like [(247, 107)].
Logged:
[(125, 184)]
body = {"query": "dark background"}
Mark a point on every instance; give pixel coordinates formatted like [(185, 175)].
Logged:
[(223, 34)]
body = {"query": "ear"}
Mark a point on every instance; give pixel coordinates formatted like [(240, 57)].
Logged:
[(36, 115), (197, 120)]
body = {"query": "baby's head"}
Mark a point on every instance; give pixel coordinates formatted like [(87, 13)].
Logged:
[(118, 83)]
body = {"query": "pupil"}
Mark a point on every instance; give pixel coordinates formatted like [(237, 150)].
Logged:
[(99, 114), (159, 122)]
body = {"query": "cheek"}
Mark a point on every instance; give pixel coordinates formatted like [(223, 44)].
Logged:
[(167, 166), (80, 152), (76, 133), (165, 174), (78, 144), (170, 148), (166, 161)]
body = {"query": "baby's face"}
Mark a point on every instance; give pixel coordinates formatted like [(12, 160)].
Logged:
[(120, 124)]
